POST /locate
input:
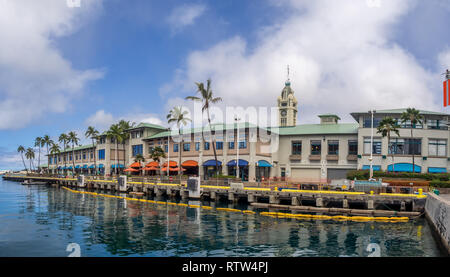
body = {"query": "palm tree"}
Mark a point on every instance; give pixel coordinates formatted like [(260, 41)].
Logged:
[(73, 138), (38, 143), (21, 150), (414, 117), (92, 133), (124, 126), (30, 155), (156, 154), (54, 149), (180, 117), (47, 142), (386, 126), (139, 158), (115, 133), (207, 98), (64, 139)]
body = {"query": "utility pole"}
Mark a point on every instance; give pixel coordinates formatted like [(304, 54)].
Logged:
[(236, 119), (371, 147)]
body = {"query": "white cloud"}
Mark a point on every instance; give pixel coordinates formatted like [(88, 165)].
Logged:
[(35, 79), (100, 119), (342, 59), (184, 15)]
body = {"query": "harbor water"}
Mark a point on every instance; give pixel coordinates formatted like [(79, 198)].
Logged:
[(43, 221)]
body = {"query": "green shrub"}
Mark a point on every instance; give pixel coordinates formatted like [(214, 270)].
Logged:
[(364, 175), (440, 184)]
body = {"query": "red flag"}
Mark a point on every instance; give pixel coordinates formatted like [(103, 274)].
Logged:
[(446, 93)]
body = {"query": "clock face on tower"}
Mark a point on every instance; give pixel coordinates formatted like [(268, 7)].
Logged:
[(283, 113)]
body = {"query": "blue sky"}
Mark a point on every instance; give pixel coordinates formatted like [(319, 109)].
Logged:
[(66, 68)]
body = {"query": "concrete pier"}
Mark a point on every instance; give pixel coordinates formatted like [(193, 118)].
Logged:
[(437, 211), (254, 195)]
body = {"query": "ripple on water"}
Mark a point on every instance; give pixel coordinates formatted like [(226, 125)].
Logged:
[(42, 221)]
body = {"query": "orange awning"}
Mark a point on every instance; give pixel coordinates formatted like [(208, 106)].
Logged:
[(172, 169), (131, 170), (136, 164), (150, 168), (171, 164), (152, 164), (189, 163)]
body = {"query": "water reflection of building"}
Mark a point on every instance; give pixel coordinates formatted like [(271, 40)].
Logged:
[(144, 228)]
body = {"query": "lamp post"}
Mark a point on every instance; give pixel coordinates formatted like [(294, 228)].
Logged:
[(371, 147), (168, 152), (236, 119)]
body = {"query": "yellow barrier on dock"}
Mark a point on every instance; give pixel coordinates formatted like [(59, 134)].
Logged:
[(323, 191), (269, 214)]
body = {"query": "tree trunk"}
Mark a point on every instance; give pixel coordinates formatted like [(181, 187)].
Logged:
[(39, 159), (24, 162), (214, 144), (413, 148), (180, 171), (73, 159), (65, 156), (117, 158), (48, 162), (95, 163)]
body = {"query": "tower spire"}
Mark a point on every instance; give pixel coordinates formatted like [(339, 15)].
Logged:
[(288, 81)]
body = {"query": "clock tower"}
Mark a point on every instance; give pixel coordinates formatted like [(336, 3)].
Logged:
[(287, 106)]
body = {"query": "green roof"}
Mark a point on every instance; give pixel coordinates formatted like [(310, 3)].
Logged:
[(216, 127), (320, 129), (81, 147), (148, 125), (397, 111), (329, 115)]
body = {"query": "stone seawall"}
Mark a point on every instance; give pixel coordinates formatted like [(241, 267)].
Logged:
[(437, 211)]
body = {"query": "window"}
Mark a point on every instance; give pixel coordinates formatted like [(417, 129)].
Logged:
[(150, 149), (206, 145), (437, 124), (84, 156), (197, 146), (231, 145), (166, 148), (175, 148), (187, 147), (315, 147), (407, 124), (296, 148), (376, 149), (437, 147), (101, 154), (92, 155), (70, 157), (219, 145), (333, 147), (368, 122), (243, 144), (113, 140), (102, 140), (400, 146), (137, 149), (353, 147)]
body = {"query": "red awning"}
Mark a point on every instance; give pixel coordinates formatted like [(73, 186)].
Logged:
[(171, 164), (136, 164), (189, 164)]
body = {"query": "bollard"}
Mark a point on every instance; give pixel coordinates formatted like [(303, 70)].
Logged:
[(371, 192), (370, 204), (345, 204), (420, 191), (319, 202), (251, 198)]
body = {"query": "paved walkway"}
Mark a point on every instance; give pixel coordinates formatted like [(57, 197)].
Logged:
[(445, 196)]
